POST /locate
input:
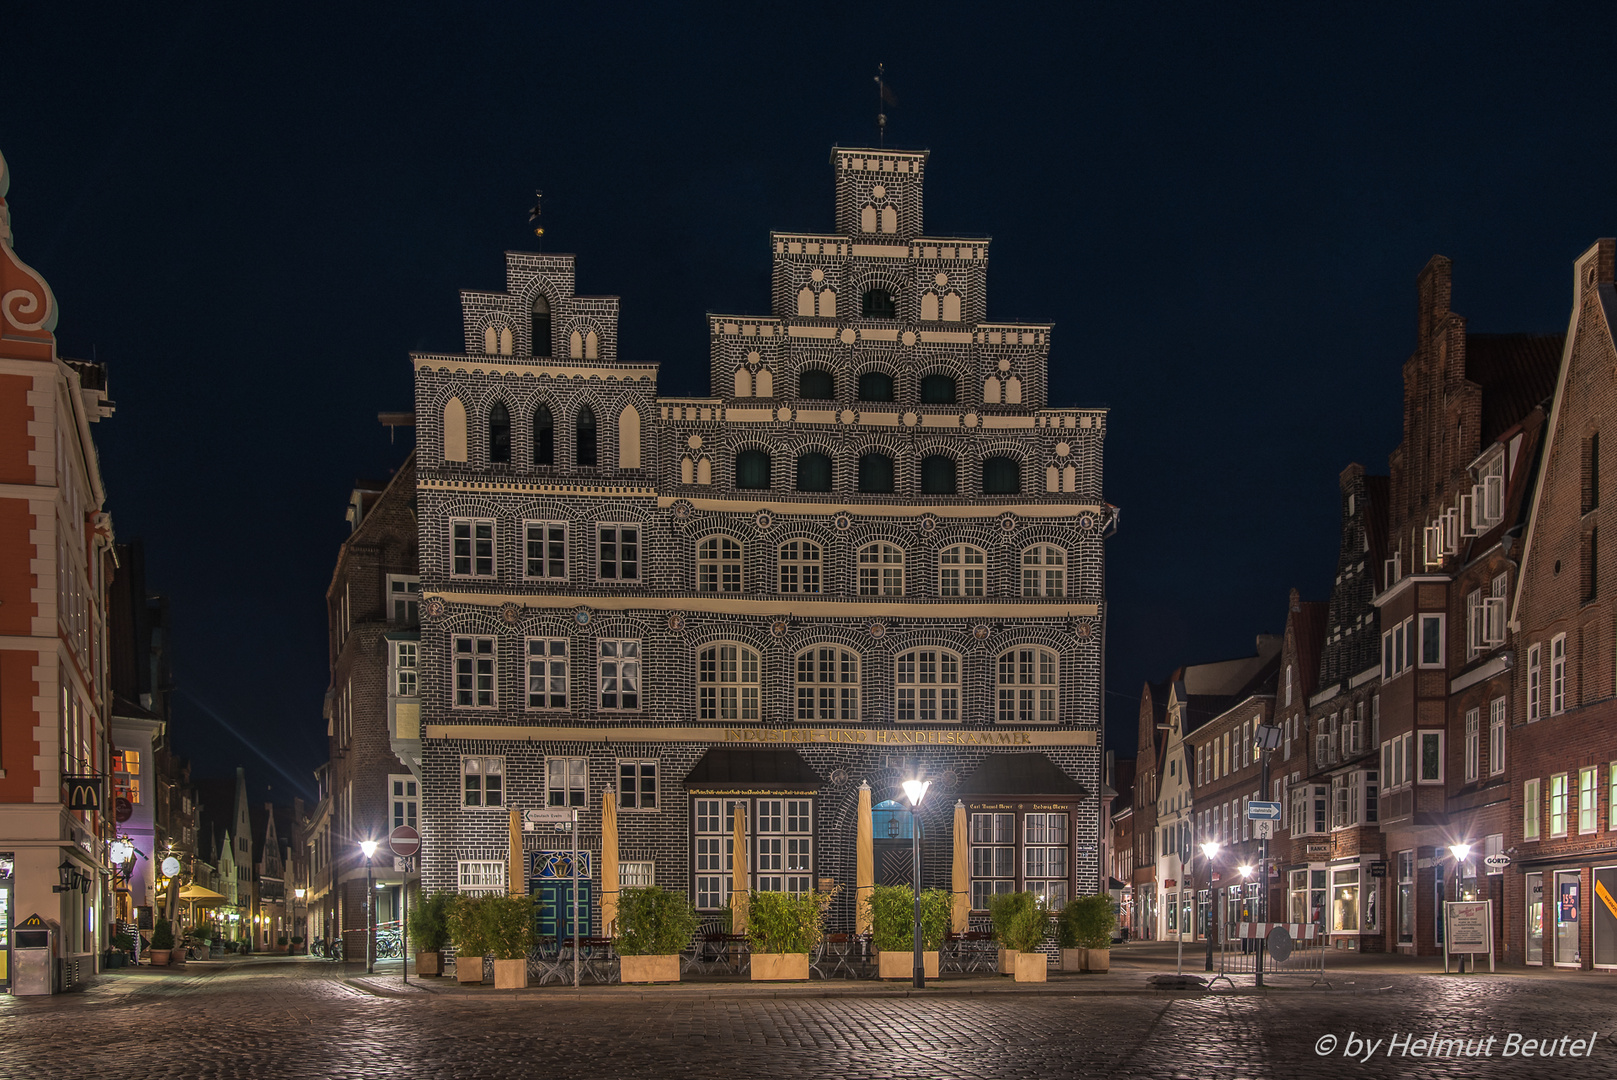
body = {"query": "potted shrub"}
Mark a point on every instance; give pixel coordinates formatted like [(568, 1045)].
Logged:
[(282, 944), (508, 935), (162, 942), (654, 926), (297, 944), (1084, 932), (892, 929), (429, 932), (782, 929), (1019, 926), (123, 944), (465, 922)]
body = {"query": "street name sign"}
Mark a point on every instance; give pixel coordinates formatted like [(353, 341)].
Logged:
[(1263, 811)]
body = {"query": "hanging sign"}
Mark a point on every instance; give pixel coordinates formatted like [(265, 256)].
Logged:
[(83, 792)]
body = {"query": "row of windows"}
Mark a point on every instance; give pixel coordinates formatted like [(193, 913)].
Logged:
[(818, 384), (1566, 805), (962, 568), (827, 680), (754, 471)]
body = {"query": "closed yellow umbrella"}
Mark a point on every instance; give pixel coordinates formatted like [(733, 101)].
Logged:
[(864, 873), (609, 861), (962, 881), (738, 873), (513, 878)]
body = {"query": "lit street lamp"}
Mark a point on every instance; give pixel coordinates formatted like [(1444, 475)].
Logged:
[(369, 848), (1460, 852), (915, 791), (1210, 849)]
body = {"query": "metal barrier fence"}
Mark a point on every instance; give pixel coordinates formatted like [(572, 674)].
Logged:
[(1299, 953)]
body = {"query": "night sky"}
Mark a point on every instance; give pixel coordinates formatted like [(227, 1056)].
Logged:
[(252, 221)]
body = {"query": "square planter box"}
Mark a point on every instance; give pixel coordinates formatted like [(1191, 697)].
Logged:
[(772, 967), (648, 969), (1007, 961), (1032, 967), (429, 963), (511, 974), (901, 965), (468, 970), (1098, 960)]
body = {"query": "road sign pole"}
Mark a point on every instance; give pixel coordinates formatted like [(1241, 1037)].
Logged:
[(404, 925), (575, 896), (1263, 868)]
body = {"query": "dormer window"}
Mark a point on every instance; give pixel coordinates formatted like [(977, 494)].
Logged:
[(878, 304)]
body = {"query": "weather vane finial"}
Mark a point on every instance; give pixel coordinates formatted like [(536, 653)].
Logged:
[(533, 215), (884, 96)]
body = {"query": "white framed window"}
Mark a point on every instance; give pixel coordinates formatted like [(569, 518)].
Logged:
[(715, 852), (618, 674), (961, 571), (1496, 736), (881, 570), (718, 565), (1431, 640), (482, 781), (727, 683), (1530, 809), (1027, 686), (567, 781), (1429, 748), (1045, 839), (406, 668), (1475, 625), (404, 599), (785, 845), (618, 548), (1310, 809), (1611, 799), (1558, 805), (993, 857), (404, 800), (928, 685), (637, 784), (1397, 761), (1557, 674), (637, 874), (471, 547), (474, 673), (1535, 673), (1473, 745), (1044, 571), (1589, 799), (545, 550), (1398, 649), (479, 876), (828, 684), (547, 673), (799, 567)]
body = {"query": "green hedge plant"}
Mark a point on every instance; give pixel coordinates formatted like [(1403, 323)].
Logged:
[(507, 924), (780, 922), (892, 918), (1086, 923), (429, 922), (162, 935), (654, 922), (1019, 922), (464, 920)]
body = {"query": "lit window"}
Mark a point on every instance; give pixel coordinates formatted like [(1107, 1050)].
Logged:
[(928, 686), (727, 683), (993, 857), (636, 874), (1530, 809), (1027, 686), (828, 684), (1558, 805), (961, 571), (718, 565), (1558, 675), (1589, 799), (1044, 571), (881, 570), (481, 877)]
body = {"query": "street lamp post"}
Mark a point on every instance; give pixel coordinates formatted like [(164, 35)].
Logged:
[(915, 791), (1210, 849), (1267, 737), (369, 848), (1460, 852)]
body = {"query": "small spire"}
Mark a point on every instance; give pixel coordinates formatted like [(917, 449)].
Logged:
[(533, 214), (884, 96)]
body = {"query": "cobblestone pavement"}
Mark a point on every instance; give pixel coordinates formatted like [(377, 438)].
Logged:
[(302, 1019)]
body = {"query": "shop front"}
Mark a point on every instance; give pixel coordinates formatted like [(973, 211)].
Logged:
[(1571, 915)]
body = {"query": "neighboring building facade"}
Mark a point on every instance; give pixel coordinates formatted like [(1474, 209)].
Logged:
[(874, 551), (1152, 723), (1224, 770), (55, 565)]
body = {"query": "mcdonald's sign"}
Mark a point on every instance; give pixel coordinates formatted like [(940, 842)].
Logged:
[(83, 792)]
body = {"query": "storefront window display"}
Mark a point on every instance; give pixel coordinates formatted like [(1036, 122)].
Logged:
[(1535, 918), (1406, 897), (1568, 908), (1345, 900)]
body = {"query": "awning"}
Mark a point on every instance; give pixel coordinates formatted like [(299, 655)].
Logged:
[(1021, 774), (196, 894), (724, 767)]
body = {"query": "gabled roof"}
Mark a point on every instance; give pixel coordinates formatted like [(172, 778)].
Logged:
[(1516, 372), (1377, 505), (1308, 622)]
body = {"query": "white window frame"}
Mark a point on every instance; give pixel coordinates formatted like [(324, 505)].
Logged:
[(480, 877), (802, 566), (484, 768), (404, 793), (993, 855), (840, 692), (1032, 693), (618, 562), (477, 680), (1558, 674), (1432, 624), (926, 681), (1563, 782), (637, 770), (406, 656), (1588, 800), (1535, 682), (1041, 850), (1397, 649), (728, 687), (1496, 736), (1046, 573), (543, 668), (552, 567), (1532, 810), (404, 589), (1475, 643), (637, 873), (962, 571), (720, 559), (1473, 745), (1422, 739), (475, 554), (618, 662), (881, 574), (574, 786)]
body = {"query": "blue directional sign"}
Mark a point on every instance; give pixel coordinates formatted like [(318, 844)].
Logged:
[(1263, 811)]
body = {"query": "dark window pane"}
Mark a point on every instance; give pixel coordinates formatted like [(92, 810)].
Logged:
[(586, 436), (752, 469), (499, 433), (878, 304), (876, 474), (1002, 476), (937, 390), (816, 386), (544, 437), (814, 472), (541, 327), (875, 386), (938, 475)]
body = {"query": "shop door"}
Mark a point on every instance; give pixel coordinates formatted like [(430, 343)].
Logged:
[(1568, 909), (1535, 918), (1605, 915)]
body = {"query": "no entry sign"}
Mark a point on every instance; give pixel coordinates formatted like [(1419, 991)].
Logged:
[(404, 841)]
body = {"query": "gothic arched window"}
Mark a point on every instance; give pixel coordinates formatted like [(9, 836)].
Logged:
[(584, 435), (878, 304), (499, 433), (876, 474), (544, 437), (814, 472), (541, 327), (937, 475)]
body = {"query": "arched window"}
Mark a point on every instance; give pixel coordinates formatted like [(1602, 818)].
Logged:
[(889, 219), (491, 339), (575, 346), (1027, 686), (867, 219), (891, 821), (800, 567), (876, 474), (928, 683), (828, 684), (878, 304), (951, 307), (881, 570), (937, 475), (929, 307), (752, 469), (805, 303), (544, 437), (499, 433), (1002, 476), (814, 472), (828, 303), (727, 683), (629, 438), (1044, 571), (585, 436), (505, 341), (816, 385), (961, 571), (454, 430), (765, 383), (743, 383), (718, 565), (592, 346), (541, 326), (875, 386), (938, 390)]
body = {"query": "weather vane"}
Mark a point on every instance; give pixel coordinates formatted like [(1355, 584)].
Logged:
[(884, 96), (533, 215)]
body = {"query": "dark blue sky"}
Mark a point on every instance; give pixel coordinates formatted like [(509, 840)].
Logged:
[(252, 220)]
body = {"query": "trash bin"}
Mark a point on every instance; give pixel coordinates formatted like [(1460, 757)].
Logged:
[(33, 952)]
